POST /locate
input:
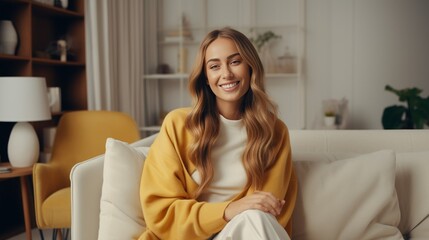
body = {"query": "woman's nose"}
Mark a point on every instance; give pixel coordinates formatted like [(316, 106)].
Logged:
[(227, 74)]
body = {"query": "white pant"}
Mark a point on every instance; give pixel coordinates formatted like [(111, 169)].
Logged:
[(253, 225)]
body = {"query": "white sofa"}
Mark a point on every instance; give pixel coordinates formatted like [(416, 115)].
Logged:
[(348, 189)]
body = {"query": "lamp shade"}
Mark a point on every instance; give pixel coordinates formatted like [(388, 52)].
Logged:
[(23, 99)]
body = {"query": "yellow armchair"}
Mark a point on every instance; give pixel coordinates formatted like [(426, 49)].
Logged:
[(80, 136)]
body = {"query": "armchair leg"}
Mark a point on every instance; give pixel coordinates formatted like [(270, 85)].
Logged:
[(62, 234), (42, 237), (67, 231), (54, 234)]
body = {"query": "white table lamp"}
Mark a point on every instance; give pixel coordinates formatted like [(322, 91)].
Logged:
[(23, 99)]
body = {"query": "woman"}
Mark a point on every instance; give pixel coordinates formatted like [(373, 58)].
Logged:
[(223, 167)]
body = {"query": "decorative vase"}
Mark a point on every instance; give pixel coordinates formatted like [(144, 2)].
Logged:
[(61, 3), (8, 37), (287, 62), (268, 59), (65, 3), (54, 96), (329, 121)]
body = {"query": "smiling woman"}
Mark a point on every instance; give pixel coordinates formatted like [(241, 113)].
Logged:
[(221, 159), (228, 76)]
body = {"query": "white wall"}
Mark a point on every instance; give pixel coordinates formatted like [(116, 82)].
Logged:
[(355, 48)]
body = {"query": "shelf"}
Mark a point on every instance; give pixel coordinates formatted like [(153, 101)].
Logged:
[(177, 42), (38, 25), (281, 75), (172, 76), (53, 62), (7, 57), (49, 10)]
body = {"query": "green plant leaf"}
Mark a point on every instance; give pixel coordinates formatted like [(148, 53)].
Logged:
[(419, 116), (414, 115), (261, 39), (393, 90), (404, 94), (422, 110)]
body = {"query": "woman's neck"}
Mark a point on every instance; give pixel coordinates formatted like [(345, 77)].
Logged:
[(230, 112)]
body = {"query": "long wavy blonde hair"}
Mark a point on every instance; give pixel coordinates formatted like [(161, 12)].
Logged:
[(259, 114)]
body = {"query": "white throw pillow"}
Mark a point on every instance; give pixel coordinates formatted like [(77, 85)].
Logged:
[(121, 215), (412, 185), (354, 198)]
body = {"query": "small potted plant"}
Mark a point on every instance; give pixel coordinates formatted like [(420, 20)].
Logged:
[(329, 118), (264, 38), (262, 43)]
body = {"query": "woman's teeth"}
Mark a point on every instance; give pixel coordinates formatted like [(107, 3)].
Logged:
[(229, 85)]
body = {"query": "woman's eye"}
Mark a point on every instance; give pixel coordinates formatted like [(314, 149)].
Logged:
[(214, 66), (235, 62)]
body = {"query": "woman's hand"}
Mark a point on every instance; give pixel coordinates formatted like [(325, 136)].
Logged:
[(264, 201)]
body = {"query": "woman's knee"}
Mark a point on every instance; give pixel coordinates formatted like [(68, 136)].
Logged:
[(255, 213), (253, 224)]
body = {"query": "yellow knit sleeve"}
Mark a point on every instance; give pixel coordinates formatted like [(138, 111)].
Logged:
[(281, 179), (166, 189)]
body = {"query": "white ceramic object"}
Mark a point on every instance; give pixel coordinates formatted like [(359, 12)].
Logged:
[(23, 146), (64, 3), (48, 2), (54, 95), (8, 37), (329, 121)]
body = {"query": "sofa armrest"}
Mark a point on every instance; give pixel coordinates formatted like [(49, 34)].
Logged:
[(86, 184), (86, 189)]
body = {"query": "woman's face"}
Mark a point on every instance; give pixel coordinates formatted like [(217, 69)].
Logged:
[(227, 74)]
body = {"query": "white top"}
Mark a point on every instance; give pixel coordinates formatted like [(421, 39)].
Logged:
[(229, 177)]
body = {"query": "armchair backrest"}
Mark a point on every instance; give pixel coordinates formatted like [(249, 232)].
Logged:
[(82, 135)]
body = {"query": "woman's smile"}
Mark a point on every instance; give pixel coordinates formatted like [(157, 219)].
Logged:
[(230, 86)]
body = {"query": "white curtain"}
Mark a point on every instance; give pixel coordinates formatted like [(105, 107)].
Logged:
[(114, 38)]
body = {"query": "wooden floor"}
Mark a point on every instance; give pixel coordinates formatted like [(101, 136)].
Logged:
[(35, 235)]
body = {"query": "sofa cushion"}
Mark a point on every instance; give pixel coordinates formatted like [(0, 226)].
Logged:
[(121, 216), (353, 198), (412, 185)]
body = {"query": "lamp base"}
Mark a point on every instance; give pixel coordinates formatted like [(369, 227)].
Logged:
[(23, 146)]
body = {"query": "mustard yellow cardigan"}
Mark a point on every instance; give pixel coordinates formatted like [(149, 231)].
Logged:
[(166, 189)]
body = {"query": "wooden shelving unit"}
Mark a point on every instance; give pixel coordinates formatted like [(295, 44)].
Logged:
[(39, 26), (171, 47)]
